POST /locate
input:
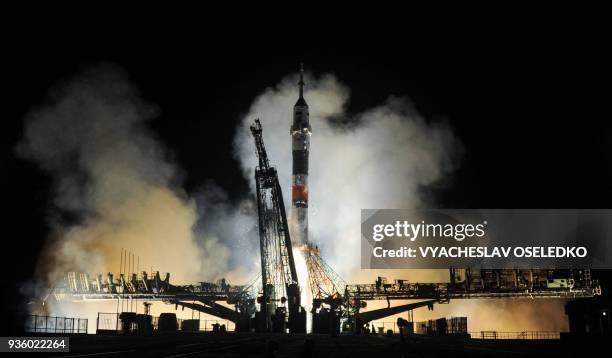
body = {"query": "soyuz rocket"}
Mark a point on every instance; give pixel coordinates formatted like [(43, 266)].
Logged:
[(300, 142)]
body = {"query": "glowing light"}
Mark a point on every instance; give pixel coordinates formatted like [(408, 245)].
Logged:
[(306, 295)]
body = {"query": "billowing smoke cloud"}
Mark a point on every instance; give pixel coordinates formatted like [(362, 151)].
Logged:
[(380, 158), (232, 226), (115, 185)]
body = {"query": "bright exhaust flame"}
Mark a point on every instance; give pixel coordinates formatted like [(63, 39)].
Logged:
[(306, 294)]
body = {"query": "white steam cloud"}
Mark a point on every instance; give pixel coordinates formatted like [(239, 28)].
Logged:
[(115, 185)]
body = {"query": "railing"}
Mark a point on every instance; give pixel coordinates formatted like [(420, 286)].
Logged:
[(202, 325), (112, 322), (385, 326), (390, 325), (48, 324), (108, 322), (516, 335)]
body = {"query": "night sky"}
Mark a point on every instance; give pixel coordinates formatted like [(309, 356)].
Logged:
[(522, 96)]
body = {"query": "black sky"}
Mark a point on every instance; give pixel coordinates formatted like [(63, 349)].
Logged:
[(523, 96)]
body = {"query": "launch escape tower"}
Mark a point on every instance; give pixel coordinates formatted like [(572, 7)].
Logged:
[(279, 277)]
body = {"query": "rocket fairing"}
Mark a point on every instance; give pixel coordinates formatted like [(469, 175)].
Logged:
[(300, 141)]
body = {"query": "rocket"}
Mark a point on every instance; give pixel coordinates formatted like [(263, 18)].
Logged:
[(300, 142)]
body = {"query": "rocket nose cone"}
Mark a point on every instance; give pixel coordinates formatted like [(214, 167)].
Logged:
[(301, 102)]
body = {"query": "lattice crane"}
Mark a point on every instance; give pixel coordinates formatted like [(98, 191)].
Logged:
[(280, 288)]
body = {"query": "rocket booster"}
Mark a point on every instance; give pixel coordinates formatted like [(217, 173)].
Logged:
[(300, 141)]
